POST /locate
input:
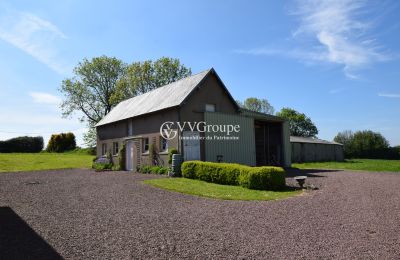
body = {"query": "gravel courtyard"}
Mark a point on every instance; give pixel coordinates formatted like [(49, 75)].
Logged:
[(81, 214)]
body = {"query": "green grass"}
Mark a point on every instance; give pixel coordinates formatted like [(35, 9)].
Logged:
[(354, 164), (217, 191), (15, 162)]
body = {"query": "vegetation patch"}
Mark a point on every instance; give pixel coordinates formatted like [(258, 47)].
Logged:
[(218, 191), (153, 169), (260, 178), (16, 162), (354, 164)]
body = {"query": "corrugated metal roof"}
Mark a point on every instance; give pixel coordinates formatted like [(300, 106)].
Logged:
[(259, 115), (298, 139), (161, 98)]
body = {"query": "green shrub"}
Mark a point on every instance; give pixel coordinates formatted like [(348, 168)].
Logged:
[(61, 142), (23, 144), (171, 152), (261, 178), (102, 166), (153, 169)]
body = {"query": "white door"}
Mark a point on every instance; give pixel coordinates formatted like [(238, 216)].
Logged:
[(191, 146), (129, 155)]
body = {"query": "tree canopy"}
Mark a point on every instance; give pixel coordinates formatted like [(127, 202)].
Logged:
[(141, 77), (258, 105), (101, 83), (365, 144), (300, 124)]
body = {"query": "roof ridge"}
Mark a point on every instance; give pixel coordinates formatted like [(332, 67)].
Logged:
[(153, 90)]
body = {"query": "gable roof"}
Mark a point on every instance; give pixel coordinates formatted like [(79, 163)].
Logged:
[(299, 139), (171, 95)]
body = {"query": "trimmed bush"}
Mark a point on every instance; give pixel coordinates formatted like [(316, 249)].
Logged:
[(260, 178), (23, 144), (61, 142)]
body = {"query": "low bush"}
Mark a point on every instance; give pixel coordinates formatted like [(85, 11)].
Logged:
[(103, 163), (23, 144), (153, 169), (260, 178)]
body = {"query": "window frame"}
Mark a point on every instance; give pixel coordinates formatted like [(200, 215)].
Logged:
[(206, 106), (162, 140), (104, 149), (115, 148), (146, 144)]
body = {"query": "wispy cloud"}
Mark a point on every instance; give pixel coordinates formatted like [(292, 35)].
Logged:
[(389, 95), (35, 36), (332, 31), (45, 98)]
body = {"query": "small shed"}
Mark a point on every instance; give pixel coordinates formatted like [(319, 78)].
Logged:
[(308, 149)]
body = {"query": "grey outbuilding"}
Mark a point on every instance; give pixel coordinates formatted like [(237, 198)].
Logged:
[(308, 149)]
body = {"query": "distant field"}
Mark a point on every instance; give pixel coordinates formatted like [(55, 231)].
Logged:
[(355, 164), (15, 162)]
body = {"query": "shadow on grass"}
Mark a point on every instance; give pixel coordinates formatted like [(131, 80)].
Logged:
[(19, 241)]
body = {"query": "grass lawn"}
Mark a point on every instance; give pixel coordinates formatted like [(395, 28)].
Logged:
[(355, 164), (217, 191), (15, 162)]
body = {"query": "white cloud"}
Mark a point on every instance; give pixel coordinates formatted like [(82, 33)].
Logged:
[(333, 32), (35, 36), (337, 26), (389, 95), (45, 98)]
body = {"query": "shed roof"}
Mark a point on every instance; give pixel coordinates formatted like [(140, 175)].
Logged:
[(171, 95), (298, 139)]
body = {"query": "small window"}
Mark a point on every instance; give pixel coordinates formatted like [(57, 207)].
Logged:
[(210, 108), (103, 149), (163, 144), (145, 144), (115, 148)]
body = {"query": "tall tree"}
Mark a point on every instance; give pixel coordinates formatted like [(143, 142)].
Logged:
[(102, 82), (142, 77), (258, 105), (91, 88), (300, 124)]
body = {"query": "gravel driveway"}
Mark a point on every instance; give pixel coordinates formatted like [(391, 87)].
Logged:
[(81, 214)]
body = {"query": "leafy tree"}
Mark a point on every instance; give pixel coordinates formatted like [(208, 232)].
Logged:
[(142, 77), (90, 137), (345, 137), (92, 87), (102, 82), (300, 124), (61, 142), (258, 105), (365, 144)]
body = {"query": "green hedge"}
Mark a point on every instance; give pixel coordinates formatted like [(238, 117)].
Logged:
[(260, 178), (22, 144)]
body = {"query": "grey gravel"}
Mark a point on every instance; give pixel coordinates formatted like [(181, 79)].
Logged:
[(82, 214)]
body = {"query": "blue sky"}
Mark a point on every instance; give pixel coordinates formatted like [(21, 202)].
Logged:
[(337, 61)]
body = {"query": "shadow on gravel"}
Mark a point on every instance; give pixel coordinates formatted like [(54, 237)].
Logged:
[(19, 241), (293, 172)]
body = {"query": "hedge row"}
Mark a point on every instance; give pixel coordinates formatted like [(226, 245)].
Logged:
[(23, 144), (260, 178)]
